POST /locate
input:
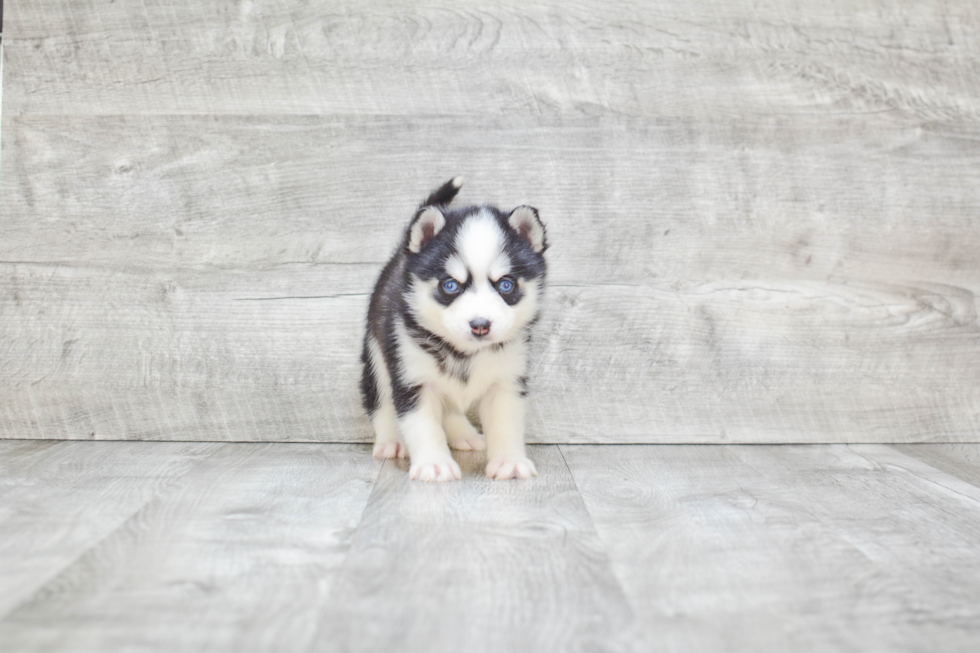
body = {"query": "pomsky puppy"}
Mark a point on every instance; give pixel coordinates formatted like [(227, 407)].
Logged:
[(448, 328)]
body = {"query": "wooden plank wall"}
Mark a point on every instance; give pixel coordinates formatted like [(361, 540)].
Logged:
[(764, 215)]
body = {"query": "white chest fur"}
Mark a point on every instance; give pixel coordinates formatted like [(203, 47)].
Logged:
[(462, 381)]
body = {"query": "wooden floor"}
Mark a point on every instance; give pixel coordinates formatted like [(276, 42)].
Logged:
[(192, 546)]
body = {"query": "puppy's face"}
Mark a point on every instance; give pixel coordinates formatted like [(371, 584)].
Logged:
[(477, 275)]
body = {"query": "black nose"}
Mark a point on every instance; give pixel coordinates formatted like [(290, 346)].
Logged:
[(480, 327)]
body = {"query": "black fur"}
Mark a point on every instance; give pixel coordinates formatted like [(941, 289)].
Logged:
[(369, 382), (389, 306), (523, 383), (386, 307), (439, 349)]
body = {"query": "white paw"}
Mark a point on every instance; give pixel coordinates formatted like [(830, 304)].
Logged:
[(474, 442), (504, 467), (442, 470), (390, 450), (462, 435)]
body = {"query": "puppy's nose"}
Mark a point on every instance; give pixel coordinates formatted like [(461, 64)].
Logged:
[(480, 327)]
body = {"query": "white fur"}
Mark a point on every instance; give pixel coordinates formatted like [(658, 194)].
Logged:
[(502, 415), (457, 269), (460, 432), (479, 242)]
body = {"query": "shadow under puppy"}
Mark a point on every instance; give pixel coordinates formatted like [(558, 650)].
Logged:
[(448, 327)]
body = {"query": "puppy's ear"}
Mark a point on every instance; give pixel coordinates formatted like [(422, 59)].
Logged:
[(425, 226), (525, 221)]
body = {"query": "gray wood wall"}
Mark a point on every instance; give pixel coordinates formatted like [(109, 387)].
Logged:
[(764, 215)]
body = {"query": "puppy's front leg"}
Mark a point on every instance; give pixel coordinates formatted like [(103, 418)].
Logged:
[(502, 416), (422, 429)]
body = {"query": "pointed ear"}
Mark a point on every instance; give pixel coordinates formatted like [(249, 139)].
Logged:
[(425, 226), (525, 221)]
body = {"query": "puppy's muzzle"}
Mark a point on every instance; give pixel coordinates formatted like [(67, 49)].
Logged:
[(480, 327)]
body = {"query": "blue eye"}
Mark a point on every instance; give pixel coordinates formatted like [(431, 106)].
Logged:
[(505, 286), (450, 286)]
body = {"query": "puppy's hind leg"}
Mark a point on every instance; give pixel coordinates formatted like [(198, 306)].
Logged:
[(376, 389), (461, 434)]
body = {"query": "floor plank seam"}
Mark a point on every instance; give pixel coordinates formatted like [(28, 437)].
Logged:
[(970, 495), (342, 567), (311, 646), (595, 529)]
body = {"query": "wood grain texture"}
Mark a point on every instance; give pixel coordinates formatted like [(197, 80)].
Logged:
[(239, 555), (60, 499), (650, 58), (231, 356), (695, 321), (787, 547), (183, 355), (761, 215), (626, 200), (478, 565)]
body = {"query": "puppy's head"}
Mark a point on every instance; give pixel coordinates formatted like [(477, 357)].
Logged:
[(476, 274)]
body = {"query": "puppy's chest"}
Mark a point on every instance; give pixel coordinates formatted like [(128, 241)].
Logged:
[(465, 380)]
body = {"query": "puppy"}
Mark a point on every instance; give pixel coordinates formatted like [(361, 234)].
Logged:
[(448, 328)]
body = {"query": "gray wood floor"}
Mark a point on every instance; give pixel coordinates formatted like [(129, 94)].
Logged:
[(180, 546)]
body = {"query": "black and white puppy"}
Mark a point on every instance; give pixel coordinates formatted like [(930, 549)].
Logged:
[(448, 328)]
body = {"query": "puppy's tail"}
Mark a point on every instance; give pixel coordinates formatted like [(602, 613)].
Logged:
[(445, 193)]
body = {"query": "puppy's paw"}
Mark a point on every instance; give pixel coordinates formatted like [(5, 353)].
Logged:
[(469, 442), (505, 467), (435, 470), (461, 434), (390, 450)]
